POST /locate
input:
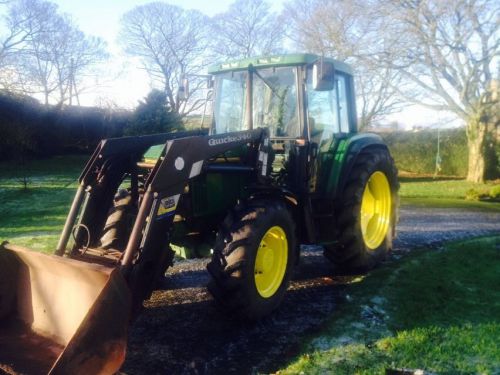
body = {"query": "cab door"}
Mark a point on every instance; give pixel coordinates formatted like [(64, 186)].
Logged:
[(329, 123)]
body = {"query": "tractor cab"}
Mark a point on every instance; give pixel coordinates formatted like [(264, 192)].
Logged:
[(295, 96), (306, 102)]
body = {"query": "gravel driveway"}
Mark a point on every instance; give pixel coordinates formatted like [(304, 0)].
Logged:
[(182, 332)]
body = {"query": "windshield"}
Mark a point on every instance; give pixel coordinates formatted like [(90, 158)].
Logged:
[(274, 101), (229, 114)]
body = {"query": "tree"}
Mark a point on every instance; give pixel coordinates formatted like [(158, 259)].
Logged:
[(345, 30), (57, 60), (153, 115), (19, 26), (246, 29), (446, 49), (170, 43), (53, 56)]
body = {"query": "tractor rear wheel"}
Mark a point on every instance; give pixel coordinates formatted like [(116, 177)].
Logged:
[(367, 213), (119, 222), (253, 258)]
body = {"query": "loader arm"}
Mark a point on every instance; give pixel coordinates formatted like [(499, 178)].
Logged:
[(184, 157), (119, 150), (68, 313)]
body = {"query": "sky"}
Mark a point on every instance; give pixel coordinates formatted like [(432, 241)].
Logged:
[(124, 83), (102, 17)]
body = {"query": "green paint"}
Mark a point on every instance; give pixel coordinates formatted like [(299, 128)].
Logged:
[(215, 193), (212, 193), (333, 177), (331, 171), (154, 152)]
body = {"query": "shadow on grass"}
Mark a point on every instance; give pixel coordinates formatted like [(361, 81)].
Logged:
[(437, 311), (69, 166)]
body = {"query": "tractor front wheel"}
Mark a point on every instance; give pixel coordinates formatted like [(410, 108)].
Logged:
[(253, 257), (367, 213)]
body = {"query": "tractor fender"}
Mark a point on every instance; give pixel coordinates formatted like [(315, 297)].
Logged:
[(356, 145)]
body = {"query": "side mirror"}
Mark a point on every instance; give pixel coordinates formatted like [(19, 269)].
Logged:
[(183, 92), (323, 78)]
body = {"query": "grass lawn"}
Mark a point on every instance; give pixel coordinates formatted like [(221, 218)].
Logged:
[(35, 217), (440, 187), (444, 192), (438, 311), (452, 203)]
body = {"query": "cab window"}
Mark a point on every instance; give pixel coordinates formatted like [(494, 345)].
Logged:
[(343, 109), (230, 102), (275, 101), (322, 114), (327, 110)]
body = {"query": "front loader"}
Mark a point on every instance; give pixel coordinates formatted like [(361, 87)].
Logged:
[(281, 165), (68, 313)]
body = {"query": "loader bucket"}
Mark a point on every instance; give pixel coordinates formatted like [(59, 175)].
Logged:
[(60, 316)]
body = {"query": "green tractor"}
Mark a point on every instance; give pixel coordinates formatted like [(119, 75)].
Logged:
[(281, 165), (324, 183)]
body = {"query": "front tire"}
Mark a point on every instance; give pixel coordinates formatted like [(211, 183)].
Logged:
[(254, 253), (367, 213)]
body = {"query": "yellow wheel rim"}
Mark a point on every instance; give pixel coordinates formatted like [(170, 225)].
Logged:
[(271, 261), (376, 210)]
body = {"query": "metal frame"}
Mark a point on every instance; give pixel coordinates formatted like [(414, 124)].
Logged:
[(184, 157)]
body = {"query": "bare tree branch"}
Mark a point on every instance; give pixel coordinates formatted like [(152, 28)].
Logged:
[(340, 29), (53, 56), (448, 49), (248, 28), (20, 27), (170, 43)]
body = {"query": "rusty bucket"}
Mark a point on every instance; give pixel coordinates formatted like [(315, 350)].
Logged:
[(60, 316)]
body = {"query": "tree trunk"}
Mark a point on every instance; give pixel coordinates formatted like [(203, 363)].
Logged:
[(482, 134), (476, 141)]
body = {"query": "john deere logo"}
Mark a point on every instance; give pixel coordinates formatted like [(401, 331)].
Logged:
[(229, 139)]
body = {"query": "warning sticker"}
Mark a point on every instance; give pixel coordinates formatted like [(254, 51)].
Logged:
[(167, 206)]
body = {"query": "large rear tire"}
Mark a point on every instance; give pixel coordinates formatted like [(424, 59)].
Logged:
[(367, 213), (254, 254), (119, 222)]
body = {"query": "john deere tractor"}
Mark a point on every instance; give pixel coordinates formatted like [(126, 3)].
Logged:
[(282, 164), (322, 183)]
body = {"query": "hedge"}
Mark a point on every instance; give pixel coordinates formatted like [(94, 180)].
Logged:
[(26, 127), (416, 151), (30, 129)]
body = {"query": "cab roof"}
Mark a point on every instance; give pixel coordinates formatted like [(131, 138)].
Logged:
[(276, 61)]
